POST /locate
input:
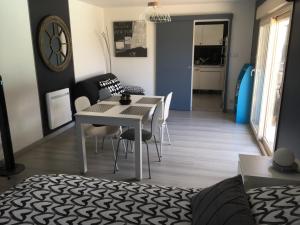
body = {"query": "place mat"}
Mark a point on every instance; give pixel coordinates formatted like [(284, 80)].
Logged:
[(113, 99), (137, 110), (99, 108), (146, 100)]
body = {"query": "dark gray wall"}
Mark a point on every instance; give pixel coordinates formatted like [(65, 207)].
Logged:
[(173, 70), (289, 121), (48, 80), (161, 88)]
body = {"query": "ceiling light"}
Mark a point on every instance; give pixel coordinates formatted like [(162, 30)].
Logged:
[(154, 13)]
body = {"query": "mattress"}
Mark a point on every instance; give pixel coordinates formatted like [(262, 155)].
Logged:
[(66, 199)]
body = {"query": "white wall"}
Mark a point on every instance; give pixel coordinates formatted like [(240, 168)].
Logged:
[(141, 71), (18, 71), (86, 26)]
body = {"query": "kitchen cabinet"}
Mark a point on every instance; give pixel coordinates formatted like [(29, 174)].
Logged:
[(208, 78), (210, 34), (196, 79), (198, 35)]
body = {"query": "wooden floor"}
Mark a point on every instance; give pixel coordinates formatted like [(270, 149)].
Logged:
[(207, 102), (204, 150)]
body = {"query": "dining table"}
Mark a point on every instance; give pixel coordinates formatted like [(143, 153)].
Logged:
[(111, 112)]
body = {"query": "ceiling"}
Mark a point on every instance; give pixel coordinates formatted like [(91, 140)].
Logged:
[(124, 3)]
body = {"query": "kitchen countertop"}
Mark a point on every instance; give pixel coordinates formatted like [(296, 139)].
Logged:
[(209, 66)]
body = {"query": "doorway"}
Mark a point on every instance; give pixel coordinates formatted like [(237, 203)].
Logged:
[(269, 77), (209, 66), (175, 59)]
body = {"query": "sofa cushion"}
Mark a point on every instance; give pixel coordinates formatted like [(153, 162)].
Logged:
[(222, 203), (104, 93)]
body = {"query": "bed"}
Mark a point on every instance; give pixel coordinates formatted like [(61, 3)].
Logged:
[(65, 199), (72, 199)]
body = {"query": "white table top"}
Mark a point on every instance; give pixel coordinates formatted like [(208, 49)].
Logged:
[(117, 109), (261, 166)]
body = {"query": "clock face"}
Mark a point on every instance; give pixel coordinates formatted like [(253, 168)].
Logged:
[(55, 43)]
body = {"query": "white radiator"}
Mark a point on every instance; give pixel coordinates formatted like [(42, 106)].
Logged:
[(59, 108)]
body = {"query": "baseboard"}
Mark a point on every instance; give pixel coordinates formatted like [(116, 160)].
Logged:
[(210, 92), (44, 139)]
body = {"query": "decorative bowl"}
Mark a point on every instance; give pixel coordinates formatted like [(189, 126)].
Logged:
[(125, 102)]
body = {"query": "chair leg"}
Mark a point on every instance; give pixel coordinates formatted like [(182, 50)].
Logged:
[(148, 160), (131, 147), (117, 155), (96, 144), (124, 145), (161, 139), (114, 152), (156, 148), (168, 133), (127, 142), (103, 143)]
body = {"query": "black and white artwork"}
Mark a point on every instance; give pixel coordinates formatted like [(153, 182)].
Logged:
[(130, 39)]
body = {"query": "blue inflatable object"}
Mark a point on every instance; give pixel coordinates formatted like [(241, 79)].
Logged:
[(243, 96)]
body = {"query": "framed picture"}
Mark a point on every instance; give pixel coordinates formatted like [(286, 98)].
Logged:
[(130, 39)]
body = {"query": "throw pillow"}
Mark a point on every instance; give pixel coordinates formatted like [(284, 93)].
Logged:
[(104, 83), (134, 90), (222, 203), (116, 87)]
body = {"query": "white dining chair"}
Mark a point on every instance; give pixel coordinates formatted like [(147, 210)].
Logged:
[(163, 121), (96, 131)]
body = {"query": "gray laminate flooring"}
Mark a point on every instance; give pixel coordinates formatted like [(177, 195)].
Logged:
[(207, 102), (204, 150)]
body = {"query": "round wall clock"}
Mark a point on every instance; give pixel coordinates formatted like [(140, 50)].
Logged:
[(55, 43)]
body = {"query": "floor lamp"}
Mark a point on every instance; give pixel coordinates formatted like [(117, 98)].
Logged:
[(8, 167)]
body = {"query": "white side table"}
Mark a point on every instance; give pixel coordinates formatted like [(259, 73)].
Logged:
[(257, 171)]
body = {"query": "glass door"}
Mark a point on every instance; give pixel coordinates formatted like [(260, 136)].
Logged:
[(281, 36), (269, 77), (260, 73)]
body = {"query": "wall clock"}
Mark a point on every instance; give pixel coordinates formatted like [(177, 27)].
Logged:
[(55, 43)]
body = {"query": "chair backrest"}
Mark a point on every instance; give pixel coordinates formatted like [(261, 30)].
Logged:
[(82, 103), (155, 119), (167, 105)]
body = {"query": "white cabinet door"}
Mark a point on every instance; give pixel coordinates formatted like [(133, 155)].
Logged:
[(210, 80), (198, 35), (196, 79), (212, 34)]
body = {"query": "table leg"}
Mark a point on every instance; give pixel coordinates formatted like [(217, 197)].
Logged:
[(138, 152), (80, 137), (161, 133)]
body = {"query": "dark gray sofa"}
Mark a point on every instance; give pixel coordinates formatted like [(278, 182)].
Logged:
[(90, 87)]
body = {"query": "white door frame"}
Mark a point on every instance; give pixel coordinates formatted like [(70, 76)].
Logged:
[(224, 92)]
